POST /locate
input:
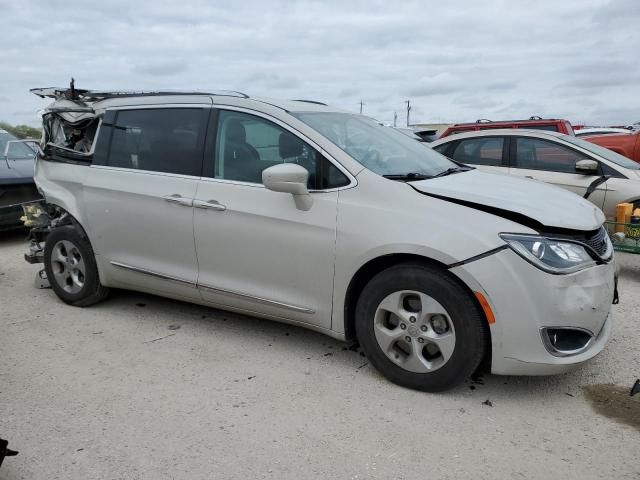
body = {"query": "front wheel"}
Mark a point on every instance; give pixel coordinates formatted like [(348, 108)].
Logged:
[(71, 268), (420, 328)]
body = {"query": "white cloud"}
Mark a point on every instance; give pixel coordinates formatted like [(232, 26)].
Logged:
[(456, 61)]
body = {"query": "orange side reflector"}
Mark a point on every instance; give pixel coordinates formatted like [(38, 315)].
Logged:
[(485, 307)]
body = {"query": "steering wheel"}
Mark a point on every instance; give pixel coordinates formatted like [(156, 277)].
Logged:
[(372, 155)]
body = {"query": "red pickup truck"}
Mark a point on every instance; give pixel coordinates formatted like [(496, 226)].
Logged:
[(627, 145), (534, 123)]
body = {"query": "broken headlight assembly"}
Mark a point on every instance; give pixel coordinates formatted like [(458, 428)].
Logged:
[(552, 255)]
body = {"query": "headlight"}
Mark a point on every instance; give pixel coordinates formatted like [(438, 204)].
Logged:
[(548, 254)]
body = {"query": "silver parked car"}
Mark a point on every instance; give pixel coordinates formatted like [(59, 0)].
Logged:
[(562, 160), (301, 213)]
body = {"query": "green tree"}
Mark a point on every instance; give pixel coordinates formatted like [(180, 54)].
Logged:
[(21, 131)]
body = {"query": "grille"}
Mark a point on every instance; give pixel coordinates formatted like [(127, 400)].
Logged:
[(598, 241)]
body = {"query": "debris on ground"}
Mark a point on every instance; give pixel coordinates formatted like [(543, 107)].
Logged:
[(488, 403), (159, 338), (174, 327), (635, 388), (5, 451)]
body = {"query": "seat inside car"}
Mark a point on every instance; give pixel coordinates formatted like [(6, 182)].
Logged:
[(241, 159)]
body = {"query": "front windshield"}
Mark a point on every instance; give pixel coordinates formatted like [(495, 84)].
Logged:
[(604, 152), (16, 151), (381, 149)]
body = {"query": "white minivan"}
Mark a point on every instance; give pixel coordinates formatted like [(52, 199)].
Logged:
[(302, 213)]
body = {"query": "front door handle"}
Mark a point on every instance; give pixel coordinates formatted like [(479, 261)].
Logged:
[(209, 204), (529, 176), (179, 200)]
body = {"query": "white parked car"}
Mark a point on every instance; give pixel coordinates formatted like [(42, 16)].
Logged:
[(300, 213), (562, 160), (585, 132)]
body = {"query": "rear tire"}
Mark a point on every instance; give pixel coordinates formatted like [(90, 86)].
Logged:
[(420, 328), (71, 268)]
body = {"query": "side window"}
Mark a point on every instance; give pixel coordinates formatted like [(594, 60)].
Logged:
[(247, 144), (480, 151), (159, 140), (442, 149), (536, 154)]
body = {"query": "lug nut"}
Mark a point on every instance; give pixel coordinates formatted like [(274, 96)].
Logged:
[(420, 340), (412, 319), (423, 328), (407, 338), (403, 326)]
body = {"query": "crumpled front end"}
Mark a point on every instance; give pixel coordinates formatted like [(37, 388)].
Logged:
[(544, 323)]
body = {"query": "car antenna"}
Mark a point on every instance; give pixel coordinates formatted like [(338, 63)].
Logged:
[(73, 88)]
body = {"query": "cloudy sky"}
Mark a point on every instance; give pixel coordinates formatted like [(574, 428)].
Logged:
[(455, 60)]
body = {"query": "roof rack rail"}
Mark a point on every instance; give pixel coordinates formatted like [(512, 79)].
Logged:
[(309, 101), (94, 95)]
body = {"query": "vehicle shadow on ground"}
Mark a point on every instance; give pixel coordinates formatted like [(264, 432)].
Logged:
[(14, 237), (306, 343)]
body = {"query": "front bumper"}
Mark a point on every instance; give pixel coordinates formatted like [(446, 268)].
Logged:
[(525, 300)]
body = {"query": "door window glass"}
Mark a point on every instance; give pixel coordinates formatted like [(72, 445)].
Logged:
[(247, 144), (536, 154), (480, 151), (159, 140)]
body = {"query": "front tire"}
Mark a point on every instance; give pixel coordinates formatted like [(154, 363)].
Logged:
[(71, 268), (420, 328)]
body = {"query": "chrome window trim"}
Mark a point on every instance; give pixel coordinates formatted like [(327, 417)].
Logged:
[(233, 293), (150, 172), (254, 298), (352, 179), (153, 273)]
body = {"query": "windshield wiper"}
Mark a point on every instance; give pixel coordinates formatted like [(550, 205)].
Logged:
[(408, 176), (451, 170)]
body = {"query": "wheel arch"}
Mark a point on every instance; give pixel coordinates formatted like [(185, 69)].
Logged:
[(376, 265)]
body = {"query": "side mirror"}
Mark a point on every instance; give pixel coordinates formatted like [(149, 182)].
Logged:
[(587, 167), (289, 178)]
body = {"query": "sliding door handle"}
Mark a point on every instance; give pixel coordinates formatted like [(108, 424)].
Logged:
[(179, 200), (210, 204)]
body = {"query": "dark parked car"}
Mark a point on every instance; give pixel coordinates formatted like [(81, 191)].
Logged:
[(16, 179)]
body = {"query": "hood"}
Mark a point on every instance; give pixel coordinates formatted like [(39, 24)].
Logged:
[(19, 171), (528, 202)]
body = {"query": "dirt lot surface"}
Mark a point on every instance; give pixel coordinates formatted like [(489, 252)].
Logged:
[(140, 387)]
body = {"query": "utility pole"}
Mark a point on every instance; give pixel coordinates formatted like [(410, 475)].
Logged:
[(361, 105), (408, 102), (395, 118)]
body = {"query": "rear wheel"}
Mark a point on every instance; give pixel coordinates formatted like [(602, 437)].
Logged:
[(420, 328), (71, 268)]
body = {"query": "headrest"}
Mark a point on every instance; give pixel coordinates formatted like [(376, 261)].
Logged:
[(290, 145), (236, 131)]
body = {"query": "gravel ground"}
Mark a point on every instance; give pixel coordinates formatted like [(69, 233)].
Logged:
[(118, 391)]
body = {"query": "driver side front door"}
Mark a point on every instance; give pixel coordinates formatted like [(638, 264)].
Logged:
[(553, 163)]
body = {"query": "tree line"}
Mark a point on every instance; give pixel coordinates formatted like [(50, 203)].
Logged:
[(21, 131)]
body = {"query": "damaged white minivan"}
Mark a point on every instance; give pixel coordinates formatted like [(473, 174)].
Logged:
[(302, 213)]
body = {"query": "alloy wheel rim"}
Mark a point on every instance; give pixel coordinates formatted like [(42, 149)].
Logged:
[(68, 266), (414, 331)]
